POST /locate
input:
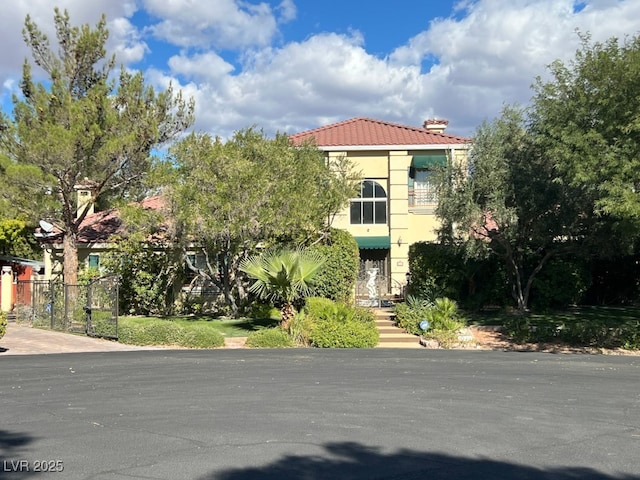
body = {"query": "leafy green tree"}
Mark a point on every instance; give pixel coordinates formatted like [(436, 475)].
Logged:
[(83, 126), (149, 277), (16, 239), (283, 276), (510, 202), (229, 198), (337, 280), (151, 270), (589, 117)]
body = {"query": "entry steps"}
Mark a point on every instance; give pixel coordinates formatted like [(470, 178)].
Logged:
[(392, 336)]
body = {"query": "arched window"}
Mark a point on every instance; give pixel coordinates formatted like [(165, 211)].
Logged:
[(370, 207)]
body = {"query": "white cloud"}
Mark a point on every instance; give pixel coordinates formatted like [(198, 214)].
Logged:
[(463, 68), (287, 11), (201, 67), (487, 55), (14, 50), (125, 41), (492, 54), (227, 24)]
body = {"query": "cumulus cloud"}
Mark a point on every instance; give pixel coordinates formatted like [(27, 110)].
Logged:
[(234, 60), (492, 50), (464, 68), (287, 11), (123, 39), (227, 24)]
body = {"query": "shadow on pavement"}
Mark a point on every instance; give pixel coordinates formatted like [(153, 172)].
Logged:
[(351, 461), (13, 454)]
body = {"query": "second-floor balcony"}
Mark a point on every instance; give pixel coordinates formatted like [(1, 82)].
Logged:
[(425, 196)]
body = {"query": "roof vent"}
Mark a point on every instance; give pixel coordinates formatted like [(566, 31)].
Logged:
[(435, 125)]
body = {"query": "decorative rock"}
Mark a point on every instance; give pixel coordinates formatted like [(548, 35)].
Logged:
[(429, 343), (465, 335)]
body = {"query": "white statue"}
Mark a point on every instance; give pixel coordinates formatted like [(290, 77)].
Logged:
[(371, 285)]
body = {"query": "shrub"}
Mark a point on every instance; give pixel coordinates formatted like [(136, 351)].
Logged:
[(632, 339), (324, 309), (559, 284), (150, 280), (335, 333), (320, 308), (259, 310), (102, 324), (201, 336), (409, 317), (444, 322), (332, 324), (269, 338), (444, 319), (164, 332), (364, 315), (580, 332), (301, 329), (439, 270), (3, 324), (338, 277)]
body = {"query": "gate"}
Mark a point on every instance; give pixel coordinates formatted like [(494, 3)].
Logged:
[(101, 308), (90, 308), (372, 283)]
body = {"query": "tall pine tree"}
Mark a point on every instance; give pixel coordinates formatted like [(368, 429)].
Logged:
[(86, 125)]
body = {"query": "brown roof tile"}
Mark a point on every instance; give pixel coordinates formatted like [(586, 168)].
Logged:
[(362, 131), (99, 227)]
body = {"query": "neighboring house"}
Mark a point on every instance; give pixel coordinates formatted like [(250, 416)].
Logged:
[(397, 199), (16, 270), (94, 237)]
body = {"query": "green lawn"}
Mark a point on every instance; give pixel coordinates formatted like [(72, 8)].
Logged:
[(240, 327)]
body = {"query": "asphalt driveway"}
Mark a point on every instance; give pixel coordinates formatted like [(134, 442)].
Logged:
[(320, 414)]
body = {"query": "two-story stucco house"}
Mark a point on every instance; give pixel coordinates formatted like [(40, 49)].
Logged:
[(397, 200)]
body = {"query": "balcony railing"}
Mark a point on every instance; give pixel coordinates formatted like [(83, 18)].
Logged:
[(423, 196)]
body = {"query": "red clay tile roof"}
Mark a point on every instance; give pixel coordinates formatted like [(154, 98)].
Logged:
[(99, 227), (362, 131)]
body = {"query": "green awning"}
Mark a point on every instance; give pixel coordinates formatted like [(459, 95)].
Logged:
[(429, 161), (370, 243)]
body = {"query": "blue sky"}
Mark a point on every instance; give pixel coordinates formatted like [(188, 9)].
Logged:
[(291, 65)]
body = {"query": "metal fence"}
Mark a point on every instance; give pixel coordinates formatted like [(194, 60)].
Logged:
[(90, 308)]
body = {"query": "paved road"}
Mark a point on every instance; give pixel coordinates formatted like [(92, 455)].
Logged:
[(320, 414)]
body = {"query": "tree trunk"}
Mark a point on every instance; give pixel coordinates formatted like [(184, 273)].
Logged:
[(227, 286), (70, 255), (288, 313)]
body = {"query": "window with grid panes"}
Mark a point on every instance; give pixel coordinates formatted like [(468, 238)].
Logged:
[(370, 207)]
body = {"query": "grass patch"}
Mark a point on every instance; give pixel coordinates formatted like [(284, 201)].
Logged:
[(227, 327)]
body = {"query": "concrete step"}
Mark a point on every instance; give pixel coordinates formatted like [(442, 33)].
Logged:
[(398, 337), (388, 329), (385, 323), (399, 345), (390, 335)]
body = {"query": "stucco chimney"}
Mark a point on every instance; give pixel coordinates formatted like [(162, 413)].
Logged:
[(436, 125), (84, 196)]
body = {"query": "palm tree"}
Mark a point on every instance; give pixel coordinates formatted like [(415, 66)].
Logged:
[(284, 275)]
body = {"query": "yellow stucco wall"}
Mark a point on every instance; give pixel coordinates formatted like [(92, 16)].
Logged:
[(405, 225), (53, 259)]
